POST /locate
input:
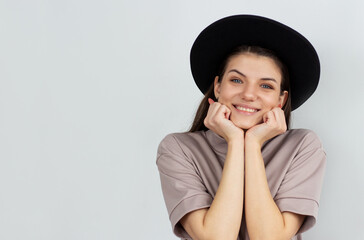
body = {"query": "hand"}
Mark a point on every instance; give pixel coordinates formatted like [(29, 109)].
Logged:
[(274, 123), (217, 120)]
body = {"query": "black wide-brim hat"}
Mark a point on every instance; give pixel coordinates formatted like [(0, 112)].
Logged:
[(220, 38)]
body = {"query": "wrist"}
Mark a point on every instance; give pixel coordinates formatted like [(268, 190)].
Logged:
[(236, 140), (252, 141)]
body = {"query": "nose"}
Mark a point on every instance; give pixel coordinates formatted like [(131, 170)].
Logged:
[(248, 92)]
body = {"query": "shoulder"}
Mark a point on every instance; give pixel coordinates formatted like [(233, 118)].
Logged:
[(181, 144), (300, 137), (295, 143), (180, 140), (304, 138), (304, 145), (177, 152), (301, 133)]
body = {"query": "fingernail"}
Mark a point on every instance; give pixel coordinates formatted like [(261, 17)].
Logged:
[(280, 105), (210, 100)]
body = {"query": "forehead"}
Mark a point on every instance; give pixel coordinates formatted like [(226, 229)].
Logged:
[(254, 65)]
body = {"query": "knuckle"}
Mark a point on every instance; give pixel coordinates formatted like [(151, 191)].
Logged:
[(206, 122), (215, 121)]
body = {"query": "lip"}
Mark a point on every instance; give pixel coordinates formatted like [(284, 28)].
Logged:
[(245, 106)]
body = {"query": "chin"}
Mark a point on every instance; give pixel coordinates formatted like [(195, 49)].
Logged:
[(245, 125)]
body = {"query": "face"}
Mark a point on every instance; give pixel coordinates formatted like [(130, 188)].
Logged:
[(250, 88)]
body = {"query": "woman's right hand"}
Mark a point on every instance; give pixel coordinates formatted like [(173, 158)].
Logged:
[(217, 120)]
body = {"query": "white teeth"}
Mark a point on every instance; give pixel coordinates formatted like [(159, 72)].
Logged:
[(246, 109)]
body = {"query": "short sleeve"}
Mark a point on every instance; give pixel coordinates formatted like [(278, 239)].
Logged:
[(182, 187), (301, 187)]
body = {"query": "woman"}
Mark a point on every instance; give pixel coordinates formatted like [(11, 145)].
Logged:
[(239, 173)]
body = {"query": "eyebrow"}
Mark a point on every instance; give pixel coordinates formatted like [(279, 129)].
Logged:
[(242, 74)]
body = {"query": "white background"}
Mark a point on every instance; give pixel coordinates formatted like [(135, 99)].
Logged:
[(88, 89)]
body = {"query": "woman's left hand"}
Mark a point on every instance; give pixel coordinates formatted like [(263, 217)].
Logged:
[(274, 123)]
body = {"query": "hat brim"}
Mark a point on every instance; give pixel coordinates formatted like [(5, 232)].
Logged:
[(217, 40)]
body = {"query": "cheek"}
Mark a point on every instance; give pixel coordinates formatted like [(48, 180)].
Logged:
[(271, 100), (226, 92)]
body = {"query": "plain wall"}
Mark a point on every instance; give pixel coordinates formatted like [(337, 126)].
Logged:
[(88, 89)]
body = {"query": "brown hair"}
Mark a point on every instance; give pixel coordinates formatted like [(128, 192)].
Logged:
[(201, 112)]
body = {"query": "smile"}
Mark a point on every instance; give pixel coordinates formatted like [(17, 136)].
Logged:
[(245, 109)]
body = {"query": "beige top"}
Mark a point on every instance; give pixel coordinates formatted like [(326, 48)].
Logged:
[(190, 167)]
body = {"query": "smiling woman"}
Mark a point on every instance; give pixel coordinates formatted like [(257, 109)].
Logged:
[(250, 87), (239, 173)]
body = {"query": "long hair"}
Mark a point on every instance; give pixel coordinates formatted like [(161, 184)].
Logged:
[(198, 125)]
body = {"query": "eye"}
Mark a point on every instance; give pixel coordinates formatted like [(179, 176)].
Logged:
[(266, 86), (235, 80)]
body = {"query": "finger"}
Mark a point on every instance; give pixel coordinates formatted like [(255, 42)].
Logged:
[(269, 118), (265, 118), (281, 119), (210, 115), (214, 114), (280, 123), (213, 108), (227, 113), (223, 110), (210, 101), (276, 111)]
